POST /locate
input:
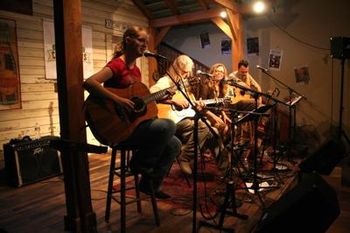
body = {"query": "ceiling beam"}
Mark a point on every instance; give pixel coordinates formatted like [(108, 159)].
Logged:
[(172, 6), (198, 16), (203, 4), (228, 4), (160, 35), (232, 20), (223, 26), (141, 6)]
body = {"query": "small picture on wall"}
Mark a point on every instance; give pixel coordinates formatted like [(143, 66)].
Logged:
[(10, 94), (275, 59), (302, 74), (253, 45), (205, 41), (226, 46)]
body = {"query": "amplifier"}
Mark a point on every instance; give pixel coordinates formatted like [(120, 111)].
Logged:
[(28, 161)]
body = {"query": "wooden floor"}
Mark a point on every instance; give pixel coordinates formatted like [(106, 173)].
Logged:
[(40, 207)]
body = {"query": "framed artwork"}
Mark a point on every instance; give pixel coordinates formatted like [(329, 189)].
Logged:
[(226, 46), (10, 91), (302, 74), (50, 50), (275, 59), (253, 45), (205, 41)]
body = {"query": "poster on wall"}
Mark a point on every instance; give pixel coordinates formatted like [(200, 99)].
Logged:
[(50, 50), (225, 46), (205, 41), (302, 74), (10, 92), (275, 59), (253, 45)]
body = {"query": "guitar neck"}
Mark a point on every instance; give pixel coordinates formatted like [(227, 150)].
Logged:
[(156, 96), (213, 101)]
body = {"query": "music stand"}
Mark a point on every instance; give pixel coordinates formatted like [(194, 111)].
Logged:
[(291, 107), (254, 116)]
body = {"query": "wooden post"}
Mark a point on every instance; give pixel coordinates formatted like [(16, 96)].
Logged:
[(152, 63), (67, 15)]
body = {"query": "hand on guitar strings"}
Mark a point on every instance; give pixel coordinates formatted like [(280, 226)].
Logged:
[(179, 104), (124, 102)]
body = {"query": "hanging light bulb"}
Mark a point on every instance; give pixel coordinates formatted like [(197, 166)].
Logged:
[(259, 7), (223, 14)]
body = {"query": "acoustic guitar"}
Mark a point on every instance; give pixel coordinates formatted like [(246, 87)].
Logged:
[(111, 123), (169, 112)]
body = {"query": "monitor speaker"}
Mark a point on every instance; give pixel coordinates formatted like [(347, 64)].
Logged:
[(28, 161), (325, 158), (340, 47), (311, 206)]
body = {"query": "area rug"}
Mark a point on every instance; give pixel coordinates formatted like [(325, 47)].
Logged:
[(210, 189)]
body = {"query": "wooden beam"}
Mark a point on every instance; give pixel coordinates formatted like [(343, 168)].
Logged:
[(223, 26), (233, 23), (198, 16), (160, 35), (141, 6), (152, 63), (237, 45), (172, 6), (68, 39), (228, 4), (203, 4)]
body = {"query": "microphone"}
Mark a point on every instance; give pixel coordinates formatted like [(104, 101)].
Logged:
[(199, 72), (147, 53), (262, 68)]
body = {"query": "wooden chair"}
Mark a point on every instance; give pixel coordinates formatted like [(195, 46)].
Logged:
[(123, 171)]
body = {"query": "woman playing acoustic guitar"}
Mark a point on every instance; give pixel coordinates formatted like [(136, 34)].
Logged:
[(154, 138)]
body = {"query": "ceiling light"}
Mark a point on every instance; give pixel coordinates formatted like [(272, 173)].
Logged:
[(259, 7), (223, 14)]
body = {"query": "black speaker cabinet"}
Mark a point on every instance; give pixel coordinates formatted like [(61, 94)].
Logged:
[(311, 206), (325, 158), (29, 161), (340, 47)]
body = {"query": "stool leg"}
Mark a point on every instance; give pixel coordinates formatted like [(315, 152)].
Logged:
[(137, 191), (122, 192), (154, 205), (110, 185)]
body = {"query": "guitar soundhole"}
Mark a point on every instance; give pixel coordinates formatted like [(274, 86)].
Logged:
[(140, 106)]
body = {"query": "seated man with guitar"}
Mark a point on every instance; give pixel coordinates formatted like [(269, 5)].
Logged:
[(119, 112), (243, 100), (179, 110)]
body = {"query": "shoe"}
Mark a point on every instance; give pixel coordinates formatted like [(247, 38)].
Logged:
[(146, 189), (138, 169), (185, 167), (162, 195)]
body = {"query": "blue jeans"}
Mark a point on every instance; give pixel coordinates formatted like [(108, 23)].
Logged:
[(157, 147)]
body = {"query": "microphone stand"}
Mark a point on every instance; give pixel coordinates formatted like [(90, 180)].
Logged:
[(259, 111), (291, 108), (341, 132), (198, 116)]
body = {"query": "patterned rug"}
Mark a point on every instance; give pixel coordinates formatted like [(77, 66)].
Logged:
[(210, 190)]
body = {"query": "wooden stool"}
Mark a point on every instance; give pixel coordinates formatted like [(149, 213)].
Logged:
[(123, 171)]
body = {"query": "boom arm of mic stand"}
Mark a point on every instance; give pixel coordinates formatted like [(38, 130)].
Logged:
[(283, 84)]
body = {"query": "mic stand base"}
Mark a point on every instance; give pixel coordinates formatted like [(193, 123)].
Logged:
[(230, 201)]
